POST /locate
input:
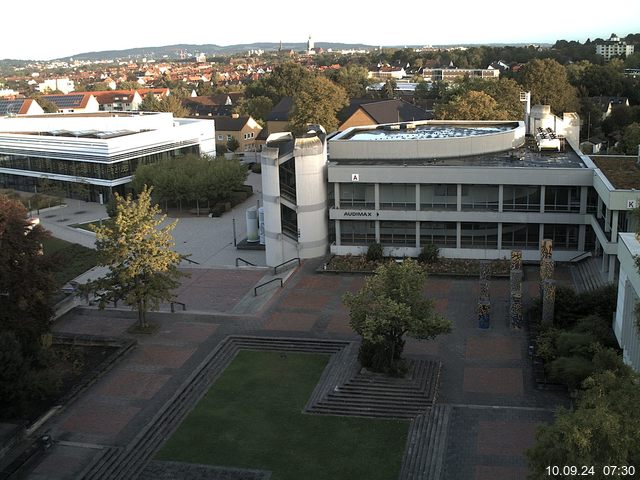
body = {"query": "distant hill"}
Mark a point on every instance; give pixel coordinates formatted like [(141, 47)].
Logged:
[(173, 51)]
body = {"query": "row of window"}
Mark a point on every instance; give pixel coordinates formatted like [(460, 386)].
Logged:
[(247, 136), (516, 198), (444, 234), (74, 168)]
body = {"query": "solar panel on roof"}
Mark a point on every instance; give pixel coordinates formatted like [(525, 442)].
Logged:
[(10, 107), (66, 101)]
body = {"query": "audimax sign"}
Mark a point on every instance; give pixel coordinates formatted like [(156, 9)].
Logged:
[(359, 214)]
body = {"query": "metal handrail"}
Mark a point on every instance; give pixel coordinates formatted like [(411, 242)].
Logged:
[(245, 261), (580, 257), (255, 290), (189, 260), (275, 269)]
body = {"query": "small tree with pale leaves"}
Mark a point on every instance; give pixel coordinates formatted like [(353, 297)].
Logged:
[(143, 268)]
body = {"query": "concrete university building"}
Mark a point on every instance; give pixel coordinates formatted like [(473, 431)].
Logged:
[(473, 189), (97, 151)]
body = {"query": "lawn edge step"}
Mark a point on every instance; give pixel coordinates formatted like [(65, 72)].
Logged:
[(126, 462), (401, 400), (365, 413), (426, 445)]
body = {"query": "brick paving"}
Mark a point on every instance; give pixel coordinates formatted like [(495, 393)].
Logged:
[(498, 348), (486, 375), (491, 441), (291, 321), (99, 418), (498, 381)]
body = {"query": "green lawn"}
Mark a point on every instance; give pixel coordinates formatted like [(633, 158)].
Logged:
[(71, 259), (252, 418)]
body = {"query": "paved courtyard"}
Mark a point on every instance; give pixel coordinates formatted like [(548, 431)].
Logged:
[(486, 376)]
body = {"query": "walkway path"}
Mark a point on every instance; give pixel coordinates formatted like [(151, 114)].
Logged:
[(486, 382)]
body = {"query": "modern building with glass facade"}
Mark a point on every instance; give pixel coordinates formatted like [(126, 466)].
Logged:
[(98, 152)]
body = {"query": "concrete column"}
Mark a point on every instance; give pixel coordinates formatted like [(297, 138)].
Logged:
[(500, 228), (614, 225), (584, 192), (582, 234), (599, 208), (541, 235), (459, 199), (337, 229), (377, 231), (500, 201), (417, 234), (612, 268), (336, 194), (376, 195), (458, 232), (417, 197), (271, 203), (543, 192)]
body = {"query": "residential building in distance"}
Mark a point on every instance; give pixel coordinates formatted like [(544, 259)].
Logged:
[(63, 85), (20, 106), (211, 105), (608, 104), (99, 151), (362, 112), (118, 100), (278, 118), (83, 102), (243, 128), (451, 74), (614, 47)]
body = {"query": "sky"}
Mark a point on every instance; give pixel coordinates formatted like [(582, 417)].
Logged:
[(50, 31)]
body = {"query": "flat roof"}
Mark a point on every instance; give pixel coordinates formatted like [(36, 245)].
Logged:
[(96, 134), (622, 171), (524, 157), (409, 131)]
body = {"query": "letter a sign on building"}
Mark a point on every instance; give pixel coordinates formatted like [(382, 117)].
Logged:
[(355, 177)]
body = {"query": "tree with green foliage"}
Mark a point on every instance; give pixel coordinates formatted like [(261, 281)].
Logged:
[(143, 268), (191, 178), (603, 429), (26, 282), (353, 78), (317, 102), (631, 139), (284, 81), (548, 83), (257, 107), (390, 305), (150, 103), (470, 105), (47, 105), (233, 144), (26, 288), (389, 89)]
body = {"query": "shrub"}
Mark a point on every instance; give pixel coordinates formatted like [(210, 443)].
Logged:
[(599, 327), (546, 344), (571, 371), (375, 252), (429, 254), (575, 343)]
